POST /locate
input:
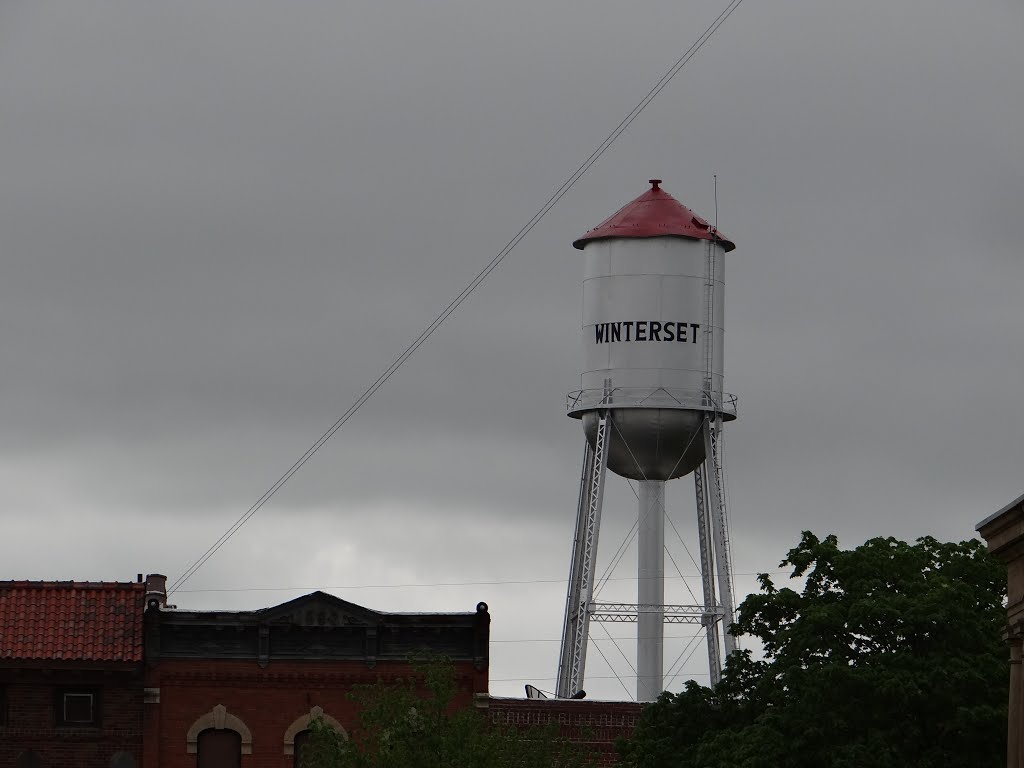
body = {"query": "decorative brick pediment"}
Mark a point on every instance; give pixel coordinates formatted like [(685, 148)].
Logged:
[(320, 610)]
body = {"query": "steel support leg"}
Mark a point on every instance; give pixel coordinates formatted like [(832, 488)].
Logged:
[(718, 527), (573, 599), (707, 579), (573, 656)]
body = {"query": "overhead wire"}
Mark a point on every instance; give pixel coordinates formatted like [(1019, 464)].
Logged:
[(618, 647), (676, 531), (462, 295), (612, 669), (589, 677), (633, 531), (683, 663), (558, 640), (617, 557), (408, 585), (685, 582)]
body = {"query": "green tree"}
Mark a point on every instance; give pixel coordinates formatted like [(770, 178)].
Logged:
[(890, 657), (416, 723)]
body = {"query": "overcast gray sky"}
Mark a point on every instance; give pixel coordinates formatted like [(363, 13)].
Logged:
[(220, 221)]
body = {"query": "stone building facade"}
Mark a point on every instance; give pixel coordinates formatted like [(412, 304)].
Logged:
[(1004, 534)]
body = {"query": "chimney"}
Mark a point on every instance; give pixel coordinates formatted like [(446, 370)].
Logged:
[(156, 590)]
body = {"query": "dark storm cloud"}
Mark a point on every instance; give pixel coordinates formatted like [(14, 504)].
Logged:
[(220, 222)]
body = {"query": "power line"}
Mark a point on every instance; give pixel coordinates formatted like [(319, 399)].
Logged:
[(589, 677), (410, 585), (612, 669), (683, 663), (618, 648), (610, 637), (635, 529), (462, 295)]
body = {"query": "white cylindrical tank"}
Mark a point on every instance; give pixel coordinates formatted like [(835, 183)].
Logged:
[(653, 308)]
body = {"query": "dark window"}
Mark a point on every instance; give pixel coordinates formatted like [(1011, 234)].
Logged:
[(122, 760), (219, 749), (29, 759), (301, 739), (78, 707)]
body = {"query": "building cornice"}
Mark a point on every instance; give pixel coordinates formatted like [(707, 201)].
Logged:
[(1004, 531)]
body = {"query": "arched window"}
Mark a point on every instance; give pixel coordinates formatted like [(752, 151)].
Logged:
[(29, 759), (219, 719), (300, 742), (298, 732), (219, 749)]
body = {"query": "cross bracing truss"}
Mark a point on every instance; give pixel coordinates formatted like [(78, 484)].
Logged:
[(624, 613)]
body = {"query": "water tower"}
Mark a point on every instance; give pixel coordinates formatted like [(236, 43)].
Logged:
[(652, 407)]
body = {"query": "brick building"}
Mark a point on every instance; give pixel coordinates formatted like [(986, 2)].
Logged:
[(71, 670), (106, 675), (595, 725), (239, 688)]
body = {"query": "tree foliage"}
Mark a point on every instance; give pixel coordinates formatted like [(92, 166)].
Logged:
[(416, 723), (890, 656)]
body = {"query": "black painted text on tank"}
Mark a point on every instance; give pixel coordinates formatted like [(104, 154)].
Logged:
[(645, 330)]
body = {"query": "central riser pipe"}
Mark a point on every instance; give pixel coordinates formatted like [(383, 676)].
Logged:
[(650, 633)]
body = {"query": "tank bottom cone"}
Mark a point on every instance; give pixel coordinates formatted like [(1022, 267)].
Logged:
[(651, 443)]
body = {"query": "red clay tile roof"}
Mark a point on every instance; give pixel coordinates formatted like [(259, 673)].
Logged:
[(71, 621)]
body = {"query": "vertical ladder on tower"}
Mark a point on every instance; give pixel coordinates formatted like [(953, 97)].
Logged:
[(709, 326)]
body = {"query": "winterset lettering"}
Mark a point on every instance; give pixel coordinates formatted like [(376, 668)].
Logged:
[(646, 330)]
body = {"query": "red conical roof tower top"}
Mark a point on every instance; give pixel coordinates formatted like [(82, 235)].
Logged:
[(655, 214)]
